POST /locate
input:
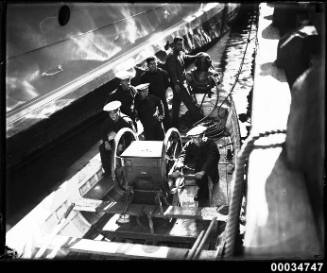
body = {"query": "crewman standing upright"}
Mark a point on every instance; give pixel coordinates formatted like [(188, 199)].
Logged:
[(162, 59), (151, 112), (176, 70), (159, 82)]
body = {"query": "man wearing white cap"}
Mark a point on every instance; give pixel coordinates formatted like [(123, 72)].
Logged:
[(201, 155), (112, 125), (151, 112), (125, 93)]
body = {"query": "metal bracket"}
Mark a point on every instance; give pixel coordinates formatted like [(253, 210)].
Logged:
[(149, 215), (129, 197), (158, 199)]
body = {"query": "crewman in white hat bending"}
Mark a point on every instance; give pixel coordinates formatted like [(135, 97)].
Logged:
[(112, 125), (200, 156), (151, 112)]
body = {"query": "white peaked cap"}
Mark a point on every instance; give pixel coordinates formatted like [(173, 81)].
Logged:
[(123, 75), (142, 86), (198, 130), (111, 106)]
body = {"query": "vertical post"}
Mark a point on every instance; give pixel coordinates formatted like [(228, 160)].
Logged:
[(158, 195), (3, 9)]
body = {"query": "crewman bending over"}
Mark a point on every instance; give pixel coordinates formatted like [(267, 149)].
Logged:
[(112, 125), (201, 155), (151, 112)]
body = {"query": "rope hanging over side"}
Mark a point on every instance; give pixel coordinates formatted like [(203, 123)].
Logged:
[(232, 89), (237, 194), (214, 107)]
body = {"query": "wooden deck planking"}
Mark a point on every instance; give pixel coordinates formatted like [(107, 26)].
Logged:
[(134, 250), (204, 213), (161, 227), (191, 219), (147, 236), (65, 245)]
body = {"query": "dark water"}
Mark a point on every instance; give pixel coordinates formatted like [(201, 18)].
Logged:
[(241, 45), (233, 56)]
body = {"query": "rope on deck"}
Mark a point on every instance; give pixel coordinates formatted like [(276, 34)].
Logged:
[(237, 194)]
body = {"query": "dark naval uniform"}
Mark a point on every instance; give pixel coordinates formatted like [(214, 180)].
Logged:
[(126, 97), (159, 82), (110, 126), (176, 70), (176, 66), (163, 66), (204, 157), (145, 109)]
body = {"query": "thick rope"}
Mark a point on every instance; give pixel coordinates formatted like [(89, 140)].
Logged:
[(232, 89), (237, 194), (205, 117)]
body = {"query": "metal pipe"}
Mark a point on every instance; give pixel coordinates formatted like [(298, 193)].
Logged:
[(204, 238), (195, 245)]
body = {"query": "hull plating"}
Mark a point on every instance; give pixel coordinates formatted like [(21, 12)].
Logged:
[(47, 62)]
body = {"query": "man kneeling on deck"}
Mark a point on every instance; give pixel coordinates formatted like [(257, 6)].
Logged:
[(202, 155), (112, 125)]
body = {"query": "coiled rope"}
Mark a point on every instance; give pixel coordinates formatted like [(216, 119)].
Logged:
[(237, 194)]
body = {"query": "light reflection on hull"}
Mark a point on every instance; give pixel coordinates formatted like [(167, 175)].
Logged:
[(57, 57)]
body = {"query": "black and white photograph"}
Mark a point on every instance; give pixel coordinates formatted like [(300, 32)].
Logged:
[(164, 131)]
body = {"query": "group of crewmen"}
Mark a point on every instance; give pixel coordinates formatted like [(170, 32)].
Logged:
[(147, 102)]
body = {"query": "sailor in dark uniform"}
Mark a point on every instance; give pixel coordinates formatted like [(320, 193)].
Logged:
[(162, 59), (200, 155), (151, 112), (176, 62), (159, 82), (125, 93), (112, 125)]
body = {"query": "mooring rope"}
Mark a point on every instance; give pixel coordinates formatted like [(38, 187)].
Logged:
[(232, 89), (237, 194)]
